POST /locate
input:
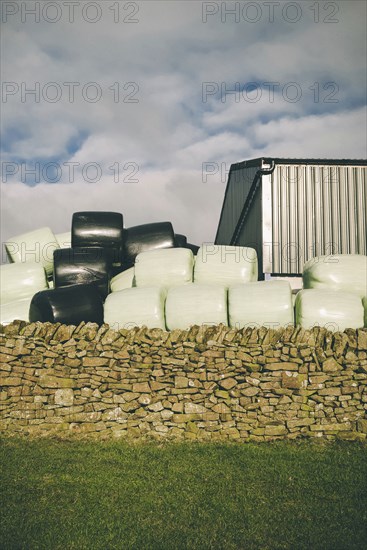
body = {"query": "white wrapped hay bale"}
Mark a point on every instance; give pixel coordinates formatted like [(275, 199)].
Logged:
[(263, 303), (36, 246), (136, 307), (196, 304), (346, 272), (225, 265), (331, 309), (15, 310), (64, 239), (123, 280), (165, 267), (21, 280)]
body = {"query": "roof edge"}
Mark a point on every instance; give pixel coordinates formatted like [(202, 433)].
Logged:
[(277, 160)]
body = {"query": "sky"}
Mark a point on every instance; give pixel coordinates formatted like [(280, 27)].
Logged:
[(141, 107)]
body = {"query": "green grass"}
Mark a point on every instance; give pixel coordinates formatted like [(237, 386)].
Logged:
[(86, 495)]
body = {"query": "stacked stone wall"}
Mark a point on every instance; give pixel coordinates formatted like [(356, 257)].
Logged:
[(206, 383)]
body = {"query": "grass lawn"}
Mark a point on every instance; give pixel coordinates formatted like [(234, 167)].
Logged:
[(89, 495)]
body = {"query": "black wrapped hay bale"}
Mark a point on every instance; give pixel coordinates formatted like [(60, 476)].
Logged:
[(82, 266), (69, 305), (180, 240), (193, 247), (150, 236), (99, 229)]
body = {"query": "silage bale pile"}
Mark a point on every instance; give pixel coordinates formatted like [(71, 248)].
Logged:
[(149, 276)]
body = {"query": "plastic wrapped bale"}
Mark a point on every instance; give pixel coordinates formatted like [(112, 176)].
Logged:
[(99, 229), (193, 247), (346, 272), (17, 310), (142, 238), (64, 239), (70, 305), (225, 265), (170, 267), (36, 246), (136, 307), (82, 266), (180, 240), (331, 309), (263, 303), (21, 280), (196, 304), (123, 280)]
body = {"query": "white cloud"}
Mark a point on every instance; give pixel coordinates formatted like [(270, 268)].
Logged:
[(192, 206), (171, 131), (329, 136)]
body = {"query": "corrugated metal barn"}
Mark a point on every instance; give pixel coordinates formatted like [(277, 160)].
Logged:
[(291, 210)]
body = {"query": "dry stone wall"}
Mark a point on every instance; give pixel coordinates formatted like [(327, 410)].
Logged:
[(206, 383)]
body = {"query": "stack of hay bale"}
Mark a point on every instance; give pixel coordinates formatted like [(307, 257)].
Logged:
[(334, 292), (148, 275), (172, 289)]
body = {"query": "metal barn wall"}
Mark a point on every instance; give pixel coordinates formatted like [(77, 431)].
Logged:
[(251, 233), (315, 210), (239, 183)]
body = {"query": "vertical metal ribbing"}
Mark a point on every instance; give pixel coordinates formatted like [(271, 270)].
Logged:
[(301, 216), (310, 213), (317, 210), (291, 246), (275, 220), (346, 227), (284, 208), (352, 228), (335, 210), (361, 207), (325, 176)]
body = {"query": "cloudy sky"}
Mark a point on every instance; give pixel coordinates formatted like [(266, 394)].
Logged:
[(141, 107)]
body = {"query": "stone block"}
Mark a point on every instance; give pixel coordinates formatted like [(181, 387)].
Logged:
[(166, 414), (330, 391), (156, 407), (331, 365), (96, 361), (50, 381), (145, 399), (194, 408), (276, 430), (281, 366), (250, 392), (130, 396), (221, 408), (221, 394), (64, 397), (10, 381), (228, 383), (294, 380), (177, 407), (141, 387), (115, 414), (181, 382), (181, 418), (362, 425)]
